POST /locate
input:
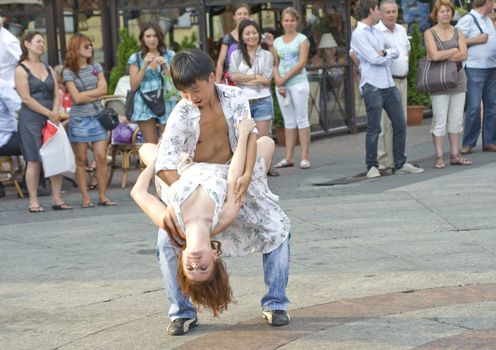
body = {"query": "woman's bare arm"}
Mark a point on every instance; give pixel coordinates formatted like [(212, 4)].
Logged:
[(231, 207)]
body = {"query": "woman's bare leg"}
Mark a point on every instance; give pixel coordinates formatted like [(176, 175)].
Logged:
[(149, 130), (265, 149)]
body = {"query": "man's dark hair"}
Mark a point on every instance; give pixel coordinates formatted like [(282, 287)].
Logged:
[(189, 66), (363, 7)]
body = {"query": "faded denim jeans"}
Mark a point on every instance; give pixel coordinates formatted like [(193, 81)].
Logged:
[(390, 100)]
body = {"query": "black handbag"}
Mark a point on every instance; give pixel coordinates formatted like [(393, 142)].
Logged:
[(155, 100), (108, 118)]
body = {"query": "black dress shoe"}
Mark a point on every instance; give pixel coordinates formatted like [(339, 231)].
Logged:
[(489, 148)]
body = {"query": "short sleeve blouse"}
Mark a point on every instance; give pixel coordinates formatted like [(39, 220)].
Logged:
[(87, 79), (289, 55)]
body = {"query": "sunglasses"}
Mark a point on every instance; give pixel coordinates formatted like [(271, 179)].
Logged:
[(88, 46)]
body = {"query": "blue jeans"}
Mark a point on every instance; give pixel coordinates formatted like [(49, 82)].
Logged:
[(481, 86), (390, 100), (276, 270)]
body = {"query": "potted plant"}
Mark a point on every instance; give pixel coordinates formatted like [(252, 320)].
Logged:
[(278, 121), (416, 101), (127, 46)]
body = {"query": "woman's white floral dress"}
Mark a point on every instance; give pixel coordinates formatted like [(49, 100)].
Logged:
[(261, 225)]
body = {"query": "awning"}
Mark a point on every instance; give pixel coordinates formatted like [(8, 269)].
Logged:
[(27, 2)]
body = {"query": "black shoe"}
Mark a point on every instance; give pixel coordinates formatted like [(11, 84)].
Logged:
[(181, 326), (276, 317)]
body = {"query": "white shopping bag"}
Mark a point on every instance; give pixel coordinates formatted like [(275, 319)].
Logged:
[(56, 152)]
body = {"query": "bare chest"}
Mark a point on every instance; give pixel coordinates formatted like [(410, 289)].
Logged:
[(213, 144)]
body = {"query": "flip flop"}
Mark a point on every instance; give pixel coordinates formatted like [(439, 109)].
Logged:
[(87, 205), (304, 164), (36, 209), (63, 206), (107, 203), (284, 164)]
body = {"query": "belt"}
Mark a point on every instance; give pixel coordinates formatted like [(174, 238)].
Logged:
[(256, 100), (399, 78)]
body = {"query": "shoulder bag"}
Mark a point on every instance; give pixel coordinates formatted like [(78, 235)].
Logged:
[(437, 76), (107, 116), (129, 107)]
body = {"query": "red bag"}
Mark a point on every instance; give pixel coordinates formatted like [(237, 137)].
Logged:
[(48, 131)]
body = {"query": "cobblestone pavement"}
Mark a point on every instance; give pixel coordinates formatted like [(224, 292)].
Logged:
[(397, 262)]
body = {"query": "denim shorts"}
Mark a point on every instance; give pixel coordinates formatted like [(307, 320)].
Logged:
[(262, 109), (86, 129)]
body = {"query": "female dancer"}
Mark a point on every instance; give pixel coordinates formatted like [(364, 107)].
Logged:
[(36, 85), (202, 212)]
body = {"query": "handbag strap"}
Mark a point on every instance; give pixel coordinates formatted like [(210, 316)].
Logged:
[(476, 22), (86, 89), (138, 61), (437, 38)]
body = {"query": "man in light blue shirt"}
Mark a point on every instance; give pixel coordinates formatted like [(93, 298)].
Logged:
[(480, 68), (375, 53)]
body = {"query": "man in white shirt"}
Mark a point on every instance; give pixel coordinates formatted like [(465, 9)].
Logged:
[(395, 34), (375, 54), (9, 137), (480, 67), (10, 51)]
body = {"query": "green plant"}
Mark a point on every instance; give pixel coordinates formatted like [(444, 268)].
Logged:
[(127, 46), (417, 51), (278, 121), (189, 42)]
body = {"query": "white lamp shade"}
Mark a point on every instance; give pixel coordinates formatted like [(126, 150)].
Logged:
[(327, 41)]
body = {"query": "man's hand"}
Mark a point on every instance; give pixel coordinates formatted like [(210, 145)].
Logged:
[(171, 224), (241, 187), (483, 38)]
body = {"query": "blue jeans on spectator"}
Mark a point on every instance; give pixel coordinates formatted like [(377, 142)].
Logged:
[(375, 100), (276, 270), (481, 86)]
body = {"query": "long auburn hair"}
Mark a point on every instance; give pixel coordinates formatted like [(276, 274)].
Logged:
[(72, 58), (214, 293), (242, 45), (27, 37), (162, 47)]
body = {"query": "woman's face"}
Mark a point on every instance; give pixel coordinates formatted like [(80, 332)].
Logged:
[(86, 49), (199, 264), (289, 23), (444, 14), (150, 39), (241, 14), (251, 36), (36, 46)]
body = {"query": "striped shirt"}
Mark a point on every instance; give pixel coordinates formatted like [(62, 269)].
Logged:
[(88, 76)]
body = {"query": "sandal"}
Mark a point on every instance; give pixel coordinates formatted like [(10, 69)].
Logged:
[(36, 209), (458, 159), (439, 163), (62, 206), (272, 172), (304, 164), (87, 205), (107, 203), (284, 164)]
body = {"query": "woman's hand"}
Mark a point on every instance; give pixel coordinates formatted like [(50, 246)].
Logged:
[(278, 80), (282, 91), (245, 126), (268, 39), (54, 117), (149, 58), (241, 187)]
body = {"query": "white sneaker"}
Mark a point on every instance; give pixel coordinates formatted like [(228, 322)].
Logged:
[(373, 172), (407, 168)]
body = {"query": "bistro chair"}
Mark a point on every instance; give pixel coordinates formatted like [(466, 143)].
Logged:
[(7, 168)]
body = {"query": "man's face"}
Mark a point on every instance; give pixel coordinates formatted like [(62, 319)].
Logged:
[(375, 14), (200, 92), (389, 14), (488, 7)]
